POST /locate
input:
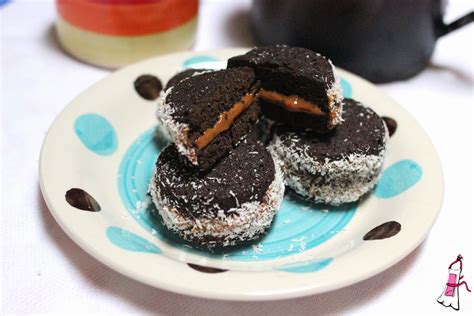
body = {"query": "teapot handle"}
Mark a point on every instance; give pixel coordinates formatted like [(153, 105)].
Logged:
[(462, 21)]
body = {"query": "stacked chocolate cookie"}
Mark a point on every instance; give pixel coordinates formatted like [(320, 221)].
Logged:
[(218, 185)]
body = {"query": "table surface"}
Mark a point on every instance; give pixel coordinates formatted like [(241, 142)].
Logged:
[(44, 271)]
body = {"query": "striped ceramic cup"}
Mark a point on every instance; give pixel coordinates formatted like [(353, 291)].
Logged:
[(112, 33)]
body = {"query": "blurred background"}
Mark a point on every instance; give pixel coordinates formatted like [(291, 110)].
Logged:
[(51, 51), (382, 41)]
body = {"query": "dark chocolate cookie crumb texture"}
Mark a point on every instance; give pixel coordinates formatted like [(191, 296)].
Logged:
[(184, 74), (231, 203), (337, 167), (148, 87), (208, 114), (299, 87)]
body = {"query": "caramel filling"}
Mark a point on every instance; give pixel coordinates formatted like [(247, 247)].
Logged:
[(291, 103), (225, 121)]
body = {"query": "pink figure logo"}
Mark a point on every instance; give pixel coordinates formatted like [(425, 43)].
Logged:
[(450, 295)]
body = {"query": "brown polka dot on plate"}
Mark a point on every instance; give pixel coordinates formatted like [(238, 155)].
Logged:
[(82, 200), (148, 87), (391, 125), (386, 230), (205, 269)]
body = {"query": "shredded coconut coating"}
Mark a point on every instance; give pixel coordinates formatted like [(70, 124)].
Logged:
[(335, 104), (330, 181), (335, 98), (241, 224), (178, 132)]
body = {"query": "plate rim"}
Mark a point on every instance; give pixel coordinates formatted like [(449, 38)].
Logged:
[(247, 296)]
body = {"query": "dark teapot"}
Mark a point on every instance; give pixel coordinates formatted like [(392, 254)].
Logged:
[(381, 40)]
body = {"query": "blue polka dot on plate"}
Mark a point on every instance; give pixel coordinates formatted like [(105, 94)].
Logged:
[(96, 133), (398, 178), (306, 267), (346, 88), (129, 241), (198, 59)]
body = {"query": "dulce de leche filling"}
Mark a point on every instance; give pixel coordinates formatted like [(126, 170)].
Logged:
[(225, 121), (291, 103)]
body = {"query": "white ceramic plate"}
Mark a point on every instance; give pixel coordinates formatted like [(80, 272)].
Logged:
[(104, 144)]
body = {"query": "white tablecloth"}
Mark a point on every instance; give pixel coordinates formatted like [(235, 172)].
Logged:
[(44, 271)]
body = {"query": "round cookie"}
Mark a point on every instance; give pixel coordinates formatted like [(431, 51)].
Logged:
[(299, 87), (206, 115), (232, 203), (337, 167)]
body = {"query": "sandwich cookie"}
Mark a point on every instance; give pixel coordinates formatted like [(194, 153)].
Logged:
[(299, 87), (207, 115), (230, 204), (337, 167)]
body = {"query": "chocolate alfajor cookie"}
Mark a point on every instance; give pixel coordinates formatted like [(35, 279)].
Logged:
[(339, 166), (207, 114), (232, 203), (299, 87)]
